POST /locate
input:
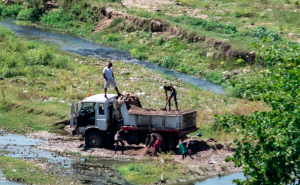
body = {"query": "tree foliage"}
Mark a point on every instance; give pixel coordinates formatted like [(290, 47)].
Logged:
[(269, 149)]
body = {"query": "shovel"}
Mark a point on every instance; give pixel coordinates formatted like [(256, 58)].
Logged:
[(165, 105)]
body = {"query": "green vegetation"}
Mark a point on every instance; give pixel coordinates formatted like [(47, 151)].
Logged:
[(271, 154), (26, 172), (150, 171)]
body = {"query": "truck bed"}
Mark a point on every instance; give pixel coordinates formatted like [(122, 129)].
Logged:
[(144, 111), (158, 119)]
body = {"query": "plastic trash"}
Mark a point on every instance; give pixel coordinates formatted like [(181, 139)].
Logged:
[(213, 162)]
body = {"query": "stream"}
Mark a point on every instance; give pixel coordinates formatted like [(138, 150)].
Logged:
[(87, 48), (22, 147)]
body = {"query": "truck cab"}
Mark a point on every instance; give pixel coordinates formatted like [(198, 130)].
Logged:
[(94, 114)]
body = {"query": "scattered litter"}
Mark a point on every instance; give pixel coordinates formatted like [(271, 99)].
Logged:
[(138, 94), (210, 140), (213, 162)]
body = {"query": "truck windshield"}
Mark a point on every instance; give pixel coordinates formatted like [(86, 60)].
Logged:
[(87, 107)]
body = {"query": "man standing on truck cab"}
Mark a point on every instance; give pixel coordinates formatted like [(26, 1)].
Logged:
[(109, 79), (172, 94)]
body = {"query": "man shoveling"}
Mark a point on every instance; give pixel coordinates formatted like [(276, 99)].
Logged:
[(109, 79), (172, 94)]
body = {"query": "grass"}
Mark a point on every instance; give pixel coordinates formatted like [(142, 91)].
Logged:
[(150, 171), (26, 172)]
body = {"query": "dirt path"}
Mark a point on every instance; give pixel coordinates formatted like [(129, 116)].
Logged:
[(207, 161)]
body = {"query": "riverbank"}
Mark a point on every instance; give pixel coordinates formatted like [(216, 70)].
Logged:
[(208, 159)]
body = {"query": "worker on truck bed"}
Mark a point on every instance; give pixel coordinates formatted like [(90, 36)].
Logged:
[(109, 79), (119, 138), (172, 94)]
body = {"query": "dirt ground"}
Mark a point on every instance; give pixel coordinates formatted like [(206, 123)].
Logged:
[(207, 158), (162, 5)]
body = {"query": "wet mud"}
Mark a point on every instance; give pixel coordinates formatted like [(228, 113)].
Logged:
[(98, 171), (207, 160)]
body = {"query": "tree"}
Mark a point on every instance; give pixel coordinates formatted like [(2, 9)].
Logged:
[(269, 147)]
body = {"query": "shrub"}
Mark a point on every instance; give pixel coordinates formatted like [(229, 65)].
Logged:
[(113, 38), (160, 41), (4, 32), (169, 62), (59, 19), (32, 14), (244, 13), (11, 11), (264, 32)]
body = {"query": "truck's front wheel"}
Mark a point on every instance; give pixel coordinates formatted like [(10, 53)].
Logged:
[(94, 139)]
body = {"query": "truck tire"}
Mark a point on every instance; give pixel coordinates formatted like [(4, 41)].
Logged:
[(173, 141), (164, 143), (94, 140)]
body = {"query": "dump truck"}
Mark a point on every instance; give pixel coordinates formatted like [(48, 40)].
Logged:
[(97, 119)]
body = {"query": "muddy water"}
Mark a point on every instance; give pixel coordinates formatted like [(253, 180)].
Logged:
[(21, 147), (224, 180), (87, 48)]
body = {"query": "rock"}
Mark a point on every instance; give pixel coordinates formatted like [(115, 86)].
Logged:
[(211, 54), (235, 72), (125, 73), (9, 2), (227, 76), (219, 146)]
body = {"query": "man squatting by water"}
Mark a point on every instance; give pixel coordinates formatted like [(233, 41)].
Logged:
[(109, 79), (172, 94)]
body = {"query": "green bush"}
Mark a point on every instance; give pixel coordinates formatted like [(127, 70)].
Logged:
[(264, 32), (4, 32), (169, 62), (31, 14), (244, 13), (58, 19), (207, 25), (113, 38), (11, 11)]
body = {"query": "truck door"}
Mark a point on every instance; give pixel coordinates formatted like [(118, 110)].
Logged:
[(101, 117), (74, 113)]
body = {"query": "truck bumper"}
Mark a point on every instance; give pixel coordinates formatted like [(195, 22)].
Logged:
[(187, 131)]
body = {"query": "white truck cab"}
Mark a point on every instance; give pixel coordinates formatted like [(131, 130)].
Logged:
[(94, 111)]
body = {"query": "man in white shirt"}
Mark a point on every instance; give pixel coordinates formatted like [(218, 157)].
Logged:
[(109, 78)]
